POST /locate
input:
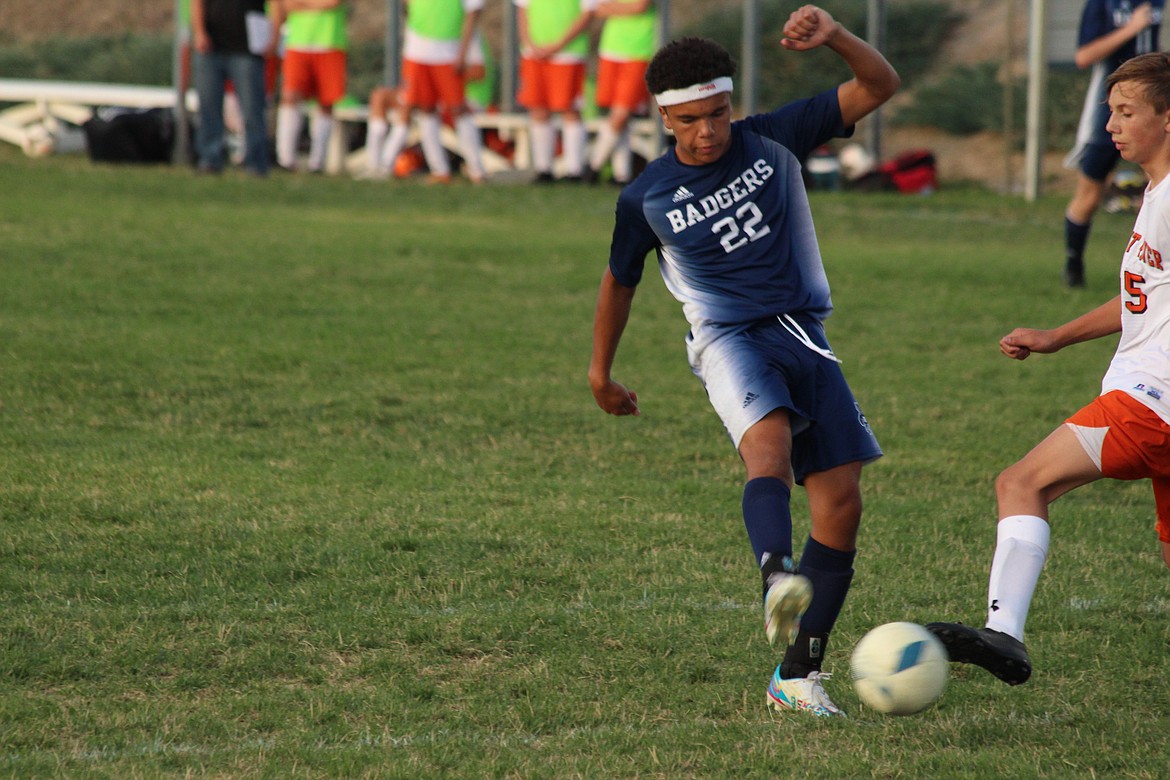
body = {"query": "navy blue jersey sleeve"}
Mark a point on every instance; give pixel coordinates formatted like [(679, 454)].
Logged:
[(1096, 21), (633, 238), (802, 125)]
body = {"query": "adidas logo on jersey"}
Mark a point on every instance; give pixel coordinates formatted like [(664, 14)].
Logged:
[(681, 194)]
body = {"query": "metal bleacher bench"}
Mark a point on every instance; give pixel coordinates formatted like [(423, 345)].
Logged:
[(39, 105)]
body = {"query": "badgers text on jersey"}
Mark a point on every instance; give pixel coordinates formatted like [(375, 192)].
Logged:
[(722, 199)]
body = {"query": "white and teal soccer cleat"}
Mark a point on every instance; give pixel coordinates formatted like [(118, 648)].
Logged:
[(787, 598), (802, 694)]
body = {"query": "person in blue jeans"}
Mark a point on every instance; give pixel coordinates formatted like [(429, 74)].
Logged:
[(1111, 32), (230, 38)]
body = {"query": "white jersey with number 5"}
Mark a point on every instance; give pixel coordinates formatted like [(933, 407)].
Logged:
[(1141, 365)]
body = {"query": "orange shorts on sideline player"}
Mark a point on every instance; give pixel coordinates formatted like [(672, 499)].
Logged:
[(554, 86), (315, 74), (1131, 442), (427, 86), (622, 84)]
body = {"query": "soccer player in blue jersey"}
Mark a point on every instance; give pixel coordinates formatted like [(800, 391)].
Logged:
[(1111, 32), (727, 214)]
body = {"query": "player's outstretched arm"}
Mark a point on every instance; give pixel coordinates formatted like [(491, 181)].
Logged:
[(1101, 321), (874, 80), (609, 322)]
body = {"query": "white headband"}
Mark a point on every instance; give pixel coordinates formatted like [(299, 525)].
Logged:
[(672, 97)]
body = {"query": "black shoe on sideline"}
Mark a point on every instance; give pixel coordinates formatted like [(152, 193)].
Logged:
[(1001, 654)]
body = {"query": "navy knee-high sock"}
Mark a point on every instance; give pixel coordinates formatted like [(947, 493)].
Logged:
[(830, 572), (768, 519), (1076, 236)]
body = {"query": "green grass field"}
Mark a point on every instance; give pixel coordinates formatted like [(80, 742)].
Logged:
[(302, 478)]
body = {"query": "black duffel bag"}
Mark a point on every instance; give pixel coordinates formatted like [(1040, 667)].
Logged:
[(130, 135)]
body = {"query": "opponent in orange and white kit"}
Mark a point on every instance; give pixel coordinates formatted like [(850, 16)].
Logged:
[(628, 42), (442, 49), (314, 68), (1125, 432), (554, 47)]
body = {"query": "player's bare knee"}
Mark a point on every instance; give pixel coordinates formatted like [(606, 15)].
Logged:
[(1012, 482)]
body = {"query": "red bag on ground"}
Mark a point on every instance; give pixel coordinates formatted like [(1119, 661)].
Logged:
[(913, 172)]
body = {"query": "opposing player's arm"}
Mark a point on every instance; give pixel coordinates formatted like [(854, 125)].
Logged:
[(874, 80), (609, 322), (1101, 321)]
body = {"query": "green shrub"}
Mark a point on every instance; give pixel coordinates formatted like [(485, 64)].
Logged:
[(121, 59), (970, 99), (967, 100)]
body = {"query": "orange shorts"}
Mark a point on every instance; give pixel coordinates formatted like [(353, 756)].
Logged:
[(315, 74), (622, 84), (426, 86), (1135, 445), (554, 86)]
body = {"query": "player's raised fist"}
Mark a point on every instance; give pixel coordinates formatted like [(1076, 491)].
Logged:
[(807, 28)]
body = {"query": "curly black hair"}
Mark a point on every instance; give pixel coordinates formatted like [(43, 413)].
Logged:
[(687, 61)]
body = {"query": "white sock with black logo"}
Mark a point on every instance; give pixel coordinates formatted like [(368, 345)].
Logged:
[(1020, 551)]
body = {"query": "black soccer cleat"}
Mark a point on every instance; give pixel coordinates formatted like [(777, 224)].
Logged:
[(1001, 654), (1073, 274)]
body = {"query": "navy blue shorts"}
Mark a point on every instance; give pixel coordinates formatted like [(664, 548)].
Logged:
[(1098, 160), (750, 372)]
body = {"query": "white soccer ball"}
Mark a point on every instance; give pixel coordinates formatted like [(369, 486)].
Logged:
[(899, 668)]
